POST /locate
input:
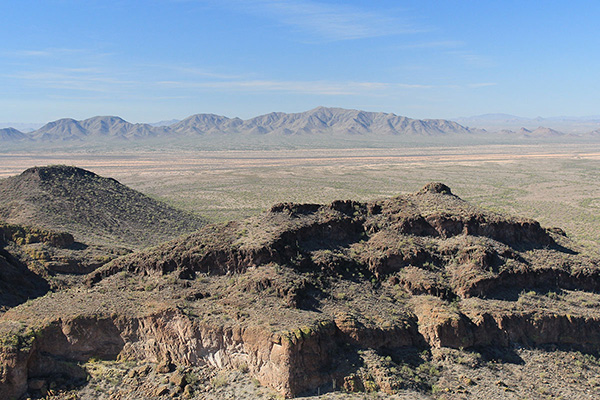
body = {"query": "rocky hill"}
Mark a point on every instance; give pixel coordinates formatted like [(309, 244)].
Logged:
[(92, 208), (321, 120), (421, 295)]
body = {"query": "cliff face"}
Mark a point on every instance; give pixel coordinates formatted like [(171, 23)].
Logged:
[(309, 296), (34, 261), (17, 282), (291, 364), (288, 365)]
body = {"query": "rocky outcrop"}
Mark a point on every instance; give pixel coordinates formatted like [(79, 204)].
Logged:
[(17, 282), (286, 362), (428, 230), (34, 261), (457, 330), (13, 374), (310, 296), (291, 362), (20, 234)]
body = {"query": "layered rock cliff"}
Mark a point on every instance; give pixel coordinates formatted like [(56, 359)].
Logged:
[(313, 297)]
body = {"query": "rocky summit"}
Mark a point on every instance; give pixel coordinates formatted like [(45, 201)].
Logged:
[(392, 295)]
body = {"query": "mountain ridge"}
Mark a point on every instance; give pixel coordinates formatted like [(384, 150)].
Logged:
[(328, 121), (320, 120), (11, 134), (498, 122)]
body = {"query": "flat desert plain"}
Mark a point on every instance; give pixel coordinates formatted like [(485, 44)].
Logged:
[(556, 184)]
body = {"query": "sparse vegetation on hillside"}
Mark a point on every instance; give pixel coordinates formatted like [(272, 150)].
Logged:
[(21, 235), (92, 208)]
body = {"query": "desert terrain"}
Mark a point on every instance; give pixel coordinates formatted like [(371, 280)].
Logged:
[(299, 199), (337, 290), (553, 183)]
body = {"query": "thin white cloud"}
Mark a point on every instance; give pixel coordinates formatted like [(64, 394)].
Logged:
[(482, 84), (323, 88), (30, 53), (472, 59), (331, 22), (98, 80), (83, 79), (49, 52), (192, 71), (304, 87), (433, 45)]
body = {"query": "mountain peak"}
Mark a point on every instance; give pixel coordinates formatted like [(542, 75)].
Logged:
[(106, 118), (9, 134)]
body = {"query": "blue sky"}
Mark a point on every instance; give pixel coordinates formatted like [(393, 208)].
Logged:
[(160, 59)]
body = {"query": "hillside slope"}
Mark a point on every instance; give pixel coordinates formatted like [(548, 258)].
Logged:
[(11, 134), (17, 282), (92, 208)]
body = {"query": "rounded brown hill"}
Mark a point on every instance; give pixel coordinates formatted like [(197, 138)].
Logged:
[(91, 207)]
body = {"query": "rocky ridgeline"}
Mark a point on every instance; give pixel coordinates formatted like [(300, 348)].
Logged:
[(303, 293), (432, 231), (34, 261)]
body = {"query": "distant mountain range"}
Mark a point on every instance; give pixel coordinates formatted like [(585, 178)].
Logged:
[(321, 120), (511, 118), (505, 122), (539, 132)]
